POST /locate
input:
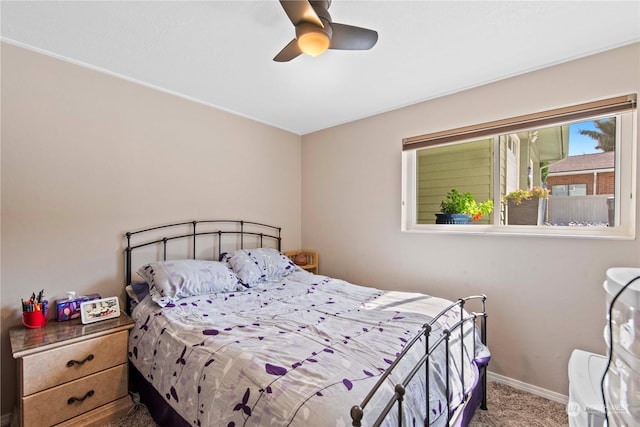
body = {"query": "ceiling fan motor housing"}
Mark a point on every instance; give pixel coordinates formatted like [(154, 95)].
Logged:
[(320, 7)]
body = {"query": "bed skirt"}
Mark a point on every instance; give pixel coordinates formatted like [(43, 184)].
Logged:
[(478, 393), (161, 412)]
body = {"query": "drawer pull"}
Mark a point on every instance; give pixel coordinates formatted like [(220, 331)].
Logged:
[(70, 363), (72, 400)]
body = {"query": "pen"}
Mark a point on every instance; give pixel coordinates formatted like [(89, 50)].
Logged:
[(35, 303)]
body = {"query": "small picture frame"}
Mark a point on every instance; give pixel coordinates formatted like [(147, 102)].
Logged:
[(99, 309)]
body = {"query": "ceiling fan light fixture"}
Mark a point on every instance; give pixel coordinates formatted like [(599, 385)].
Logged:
[(313, 43), (316, 32)]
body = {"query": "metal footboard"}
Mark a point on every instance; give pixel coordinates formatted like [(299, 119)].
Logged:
[(441, 343)]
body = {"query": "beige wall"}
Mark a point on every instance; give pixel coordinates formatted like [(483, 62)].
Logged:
[(545, 295), (86, 157)]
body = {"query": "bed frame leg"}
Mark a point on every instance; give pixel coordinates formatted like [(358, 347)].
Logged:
[(483, 337), (483, 404)]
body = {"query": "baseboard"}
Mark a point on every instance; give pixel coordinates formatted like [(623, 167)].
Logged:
[(538, 391)]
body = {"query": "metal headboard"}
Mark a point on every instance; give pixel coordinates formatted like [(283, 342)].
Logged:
[(176, 232)]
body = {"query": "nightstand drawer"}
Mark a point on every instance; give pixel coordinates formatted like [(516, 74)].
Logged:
[(61, 403), (57, 366)]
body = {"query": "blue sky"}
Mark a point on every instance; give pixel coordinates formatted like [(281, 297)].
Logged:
[(581, 144)]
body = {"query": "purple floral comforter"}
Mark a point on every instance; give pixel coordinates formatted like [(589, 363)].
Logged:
[(299, 352)]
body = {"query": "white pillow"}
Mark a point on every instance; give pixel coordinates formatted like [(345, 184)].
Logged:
[(253, 266), (170, 281)]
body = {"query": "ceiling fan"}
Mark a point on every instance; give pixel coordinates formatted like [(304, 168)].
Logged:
[(315, 32)]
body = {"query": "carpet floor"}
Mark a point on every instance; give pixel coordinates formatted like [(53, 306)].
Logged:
[(511, 407), (508, 407)]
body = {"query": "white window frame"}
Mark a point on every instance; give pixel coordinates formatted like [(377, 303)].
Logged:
[(625, 195)]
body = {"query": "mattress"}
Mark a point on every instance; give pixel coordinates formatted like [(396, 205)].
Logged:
[(300, 351)]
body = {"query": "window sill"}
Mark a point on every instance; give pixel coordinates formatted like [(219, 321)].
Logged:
[(605, 233)]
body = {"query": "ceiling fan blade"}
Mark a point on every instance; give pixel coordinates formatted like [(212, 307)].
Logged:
[(348, 37), (289, 52), (300, 11)]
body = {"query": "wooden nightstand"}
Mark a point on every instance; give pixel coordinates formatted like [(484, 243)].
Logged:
[(70, 374), (312, 259)]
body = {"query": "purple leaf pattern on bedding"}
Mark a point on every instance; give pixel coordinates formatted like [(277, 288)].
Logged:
[(145, 325), (174, 394), (280, 352), (275, 370), (243, 405), (181, 360)]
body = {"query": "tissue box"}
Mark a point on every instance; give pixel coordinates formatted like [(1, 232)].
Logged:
[(67, 309)]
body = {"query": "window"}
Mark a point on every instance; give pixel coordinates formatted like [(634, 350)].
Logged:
[(569, 190), (580, 158)]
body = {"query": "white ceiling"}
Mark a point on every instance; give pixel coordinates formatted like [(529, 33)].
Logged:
[(220, 52)]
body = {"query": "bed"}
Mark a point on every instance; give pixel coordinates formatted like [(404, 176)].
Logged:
[(230, 332)]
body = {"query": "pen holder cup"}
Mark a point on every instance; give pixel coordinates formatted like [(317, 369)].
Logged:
[(34, 319)]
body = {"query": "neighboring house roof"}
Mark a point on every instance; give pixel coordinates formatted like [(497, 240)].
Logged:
[(584, 162)]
